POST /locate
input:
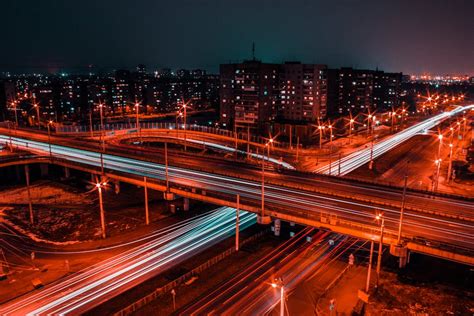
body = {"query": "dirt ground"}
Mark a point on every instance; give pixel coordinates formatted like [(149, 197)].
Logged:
[(64, 213), (396, 298)]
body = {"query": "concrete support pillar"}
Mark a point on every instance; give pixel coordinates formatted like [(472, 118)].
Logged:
[(186, 204), (401, 252), (67, 172), (44, 170), (277, 227), (168, 196), (263, 220), (17, 173), (117, 187)]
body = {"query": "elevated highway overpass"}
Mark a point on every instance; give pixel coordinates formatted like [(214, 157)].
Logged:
[(433, 224)]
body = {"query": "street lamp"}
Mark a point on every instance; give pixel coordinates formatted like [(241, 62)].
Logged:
[(369, 123), (351, 124), (450, 161), (137, 105), (36, 106), (321, 129), (16, 114), (50, 122), (438, 165), (380, 217), (101, 106), (440, 138), (99, 187), (279, 283)]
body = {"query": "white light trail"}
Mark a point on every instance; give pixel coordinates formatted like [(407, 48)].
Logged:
[(361, 157), (90, 287)]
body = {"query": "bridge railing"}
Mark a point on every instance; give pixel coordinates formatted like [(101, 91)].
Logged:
[(131, 127)]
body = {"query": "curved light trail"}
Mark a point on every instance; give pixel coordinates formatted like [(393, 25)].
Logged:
[(361, 157), (99, 283)]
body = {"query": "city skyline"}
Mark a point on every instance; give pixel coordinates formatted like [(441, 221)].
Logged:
[(396, 37)]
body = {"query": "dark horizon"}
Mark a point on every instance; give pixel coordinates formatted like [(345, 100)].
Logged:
[(412, 37)]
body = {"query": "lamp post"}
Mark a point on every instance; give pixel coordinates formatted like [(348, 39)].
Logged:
[(279, 283), (369, 123), (369, 268), (330, 131), (36, 106), (137, 105), (351, 125), (99, 187), (321, 128), (440, 138), (90, 124), (374, 121), (450, 165), (380, 218), (16, 114), (102, 126), (49, 138), (166, 168), (438, 165), (184, 107), (402, 209), (263, 181)]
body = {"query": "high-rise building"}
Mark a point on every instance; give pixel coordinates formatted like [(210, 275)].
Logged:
[(303, 92), (358, 90), (249, 93)]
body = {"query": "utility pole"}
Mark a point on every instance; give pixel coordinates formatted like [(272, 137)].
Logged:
[(235, 137), (371, 162), (248, 141), (237, 210), (147, 215), (90, 123), (102, 213), (139, 132), (402, 209), (263, 183), (49, 139), (102, 132), (379, 255), (166, 168), (450, 165), (291, 137), (38, 114), (184, 106), (339, 165), (367, 284), (297, 147), (30, 206)]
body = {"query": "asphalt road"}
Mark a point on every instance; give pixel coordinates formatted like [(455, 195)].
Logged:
[(94, 285), (296, 193)]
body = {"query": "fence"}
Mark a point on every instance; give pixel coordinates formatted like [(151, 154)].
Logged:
[(168, 287)]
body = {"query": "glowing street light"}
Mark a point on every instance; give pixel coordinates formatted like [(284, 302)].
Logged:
[(101, 106), (36, 106), (137, 106), (450, 161), (438, 165), (50, 122), (99, 186), (16, 113), (278, 283), (440, 138)]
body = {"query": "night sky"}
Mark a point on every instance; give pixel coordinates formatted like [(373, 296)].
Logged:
[(413, 36)]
